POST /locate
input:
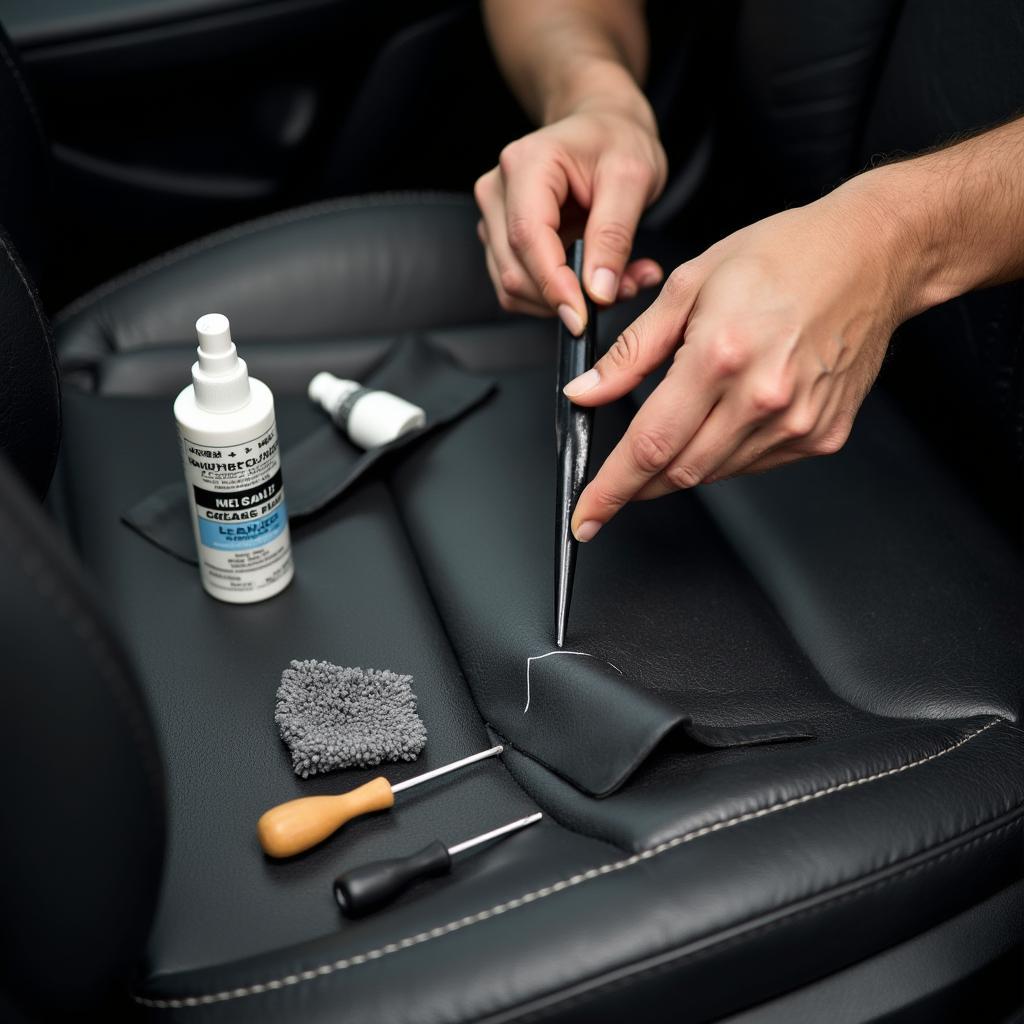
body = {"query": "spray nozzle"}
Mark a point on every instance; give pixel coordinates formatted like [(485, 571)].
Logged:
[(217, 353), (221, 379)]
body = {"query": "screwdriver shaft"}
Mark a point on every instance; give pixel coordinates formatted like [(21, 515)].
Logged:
[(512, 826), (297, 825), (446, 768)]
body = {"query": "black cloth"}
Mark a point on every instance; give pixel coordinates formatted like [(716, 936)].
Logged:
[(325, 464)]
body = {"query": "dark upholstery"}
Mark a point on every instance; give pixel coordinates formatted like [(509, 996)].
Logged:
[(763, 600), (820, 91), (24, 170), (29, 384), (952, 69), (868, 595), (30, 414), (84, 816), (347, 265)]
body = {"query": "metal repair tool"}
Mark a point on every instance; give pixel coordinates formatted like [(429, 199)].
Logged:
[(299, 824), (573, 427), (369, 887)]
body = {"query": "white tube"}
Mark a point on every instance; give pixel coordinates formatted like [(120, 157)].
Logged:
[(370, 418)]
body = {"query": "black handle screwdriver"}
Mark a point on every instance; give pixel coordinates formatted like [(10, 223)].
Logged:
[(369, 887)]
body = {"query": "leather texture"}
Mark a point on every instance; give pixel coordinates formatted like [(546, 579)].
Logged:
[(30, 411), (878, 804), (83, 794), (594, 727), (830, 573), (762, 863), (369, 263), (895, 984), (776, 865), (213, 681)]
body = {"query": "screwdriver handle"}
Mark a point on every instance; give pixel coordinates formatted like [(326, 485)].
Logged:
[(370, 886), (297, 825)]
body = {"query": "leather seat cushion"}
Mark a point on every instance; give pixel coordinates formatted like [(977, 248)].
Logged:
[(777, 863), (864, 594)]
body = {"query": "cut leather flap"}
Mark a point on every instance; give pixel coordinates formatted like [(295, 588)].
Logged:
[(325, 464), (589, 724)]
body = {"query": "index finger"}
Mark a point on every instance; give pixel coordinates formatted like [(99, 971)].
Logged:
[(661, 429), (533, 200)]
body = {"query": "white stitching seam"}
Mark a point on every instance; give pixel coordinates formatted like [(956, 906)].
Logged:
[(538, 894)]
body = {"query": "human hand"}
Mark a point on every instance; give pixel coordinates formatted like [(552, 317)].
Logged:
[(601, 166), (778, 330)]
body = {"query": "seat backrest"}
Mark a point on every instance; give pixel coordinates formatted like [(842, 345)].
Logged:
[(826, 88), (802, 81), (952, 68), (84, 805), (83, 791)]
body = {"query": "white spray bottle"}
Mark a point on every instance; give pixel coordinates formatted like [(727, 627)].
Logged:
[(232, 463)]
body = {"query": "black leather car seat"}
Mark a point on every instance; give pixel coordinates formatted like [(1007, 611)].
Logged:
[(868, 595)]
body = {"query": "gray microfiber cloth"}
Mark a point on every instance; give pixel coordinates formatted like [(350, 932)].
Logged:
[(333, 717)]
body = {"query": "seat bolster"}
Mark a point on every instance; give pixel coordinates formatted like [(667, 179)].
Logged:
[(597, 930), (370, 265)]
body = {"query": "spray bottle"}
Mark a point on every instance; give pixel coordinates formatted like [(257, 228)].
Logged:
[(232, 460)]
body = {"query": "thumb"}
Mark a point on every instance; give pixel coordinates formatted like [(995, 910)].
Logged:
[(615, 210), (644, 345)]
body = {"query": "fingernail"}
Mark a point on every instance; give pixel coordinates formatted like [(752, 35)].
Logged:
[(582, 384), (604, 283), (587, 531), (571, 319), (650, 278), (627, 289)]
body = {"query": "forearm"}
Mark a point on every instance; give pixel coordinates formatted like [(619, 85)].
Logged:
[(955, 216), (560, 56)]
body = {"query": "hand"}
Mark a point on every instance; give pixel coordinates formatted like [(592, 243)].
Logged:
[(602, 165), (778, 331)]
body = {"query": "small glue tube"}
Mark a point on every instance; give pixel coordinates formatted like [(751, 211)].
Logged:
[(370, 418)]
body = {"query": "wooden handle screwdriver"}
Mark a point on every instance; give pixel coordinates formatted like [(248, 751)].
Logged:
[(299, 824)]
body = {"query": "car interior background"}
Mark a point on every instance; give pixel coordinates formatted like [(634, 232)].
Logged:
[(800, 793)]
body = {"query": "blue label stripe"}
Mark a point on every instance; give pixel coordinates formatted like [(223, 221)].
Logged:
[(253, 533)]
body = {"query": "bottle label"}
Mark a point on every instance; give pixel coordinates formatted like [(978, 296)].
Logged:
[(345, 406), (241, 517)]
